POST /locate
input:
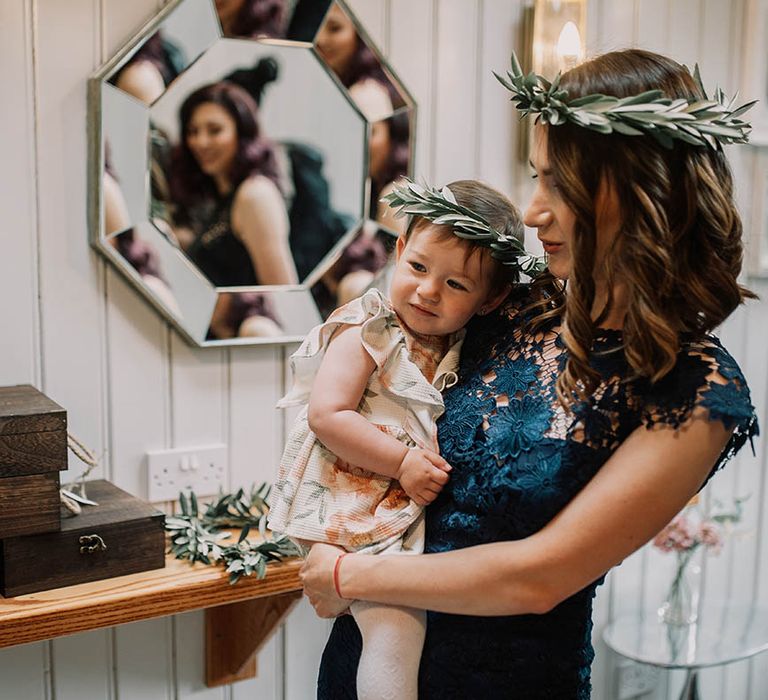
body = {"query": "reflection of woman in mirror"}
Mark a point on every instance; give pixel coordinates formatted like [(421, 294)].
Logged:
[(355, 64), (223, 184), (150, 69), (146, 75), (244, 315), (389, 156), (137, 252), (116, 216), (353, 272), (251, 18)]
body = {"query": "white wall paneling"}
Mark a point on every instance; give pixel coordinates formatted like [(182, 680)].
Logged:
[(411, 53), (73, 679), (455, 90), (18, 144), (130, 384)]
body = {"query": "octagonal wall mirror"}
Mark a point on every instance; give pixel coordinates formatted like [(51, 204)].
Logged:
[(239, 151)]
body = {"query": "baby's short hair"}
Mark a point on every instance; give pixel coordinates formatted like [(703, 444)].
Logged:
[(496, 209)]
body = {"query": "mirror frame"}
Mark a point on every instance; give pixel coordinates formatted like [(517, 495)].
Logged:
[(96, 168)]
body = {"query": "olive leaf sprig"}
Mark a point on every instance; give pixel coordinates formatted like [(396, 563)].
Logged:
[(198, 537), (707, 122), (441, 207)]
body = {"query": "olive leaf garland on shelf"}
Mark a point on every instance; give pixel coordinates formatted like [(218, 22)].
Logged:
[(198, 537)]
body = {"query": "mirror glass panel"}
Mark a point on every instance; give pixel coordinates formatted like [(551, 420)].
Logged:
[(126, 129), (167, 277), (274, 112), (243, 148), (262, 316), (357, 264)]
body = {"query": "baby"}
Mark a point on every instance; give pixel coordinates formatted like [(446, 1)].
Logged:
[(362, 460)]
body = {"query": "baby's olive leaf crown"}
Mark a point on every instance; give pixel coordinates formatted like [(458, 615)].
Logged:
[(707, 122), (441, 207)]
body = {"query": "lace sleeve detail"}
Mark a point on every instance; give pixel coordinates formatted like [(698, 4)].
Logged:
[(705, 376)]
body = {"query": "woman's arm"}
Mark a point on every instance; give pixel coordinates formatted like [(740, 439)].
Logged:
[(260, 221), (641, 487), (339, 385), (142, 80)]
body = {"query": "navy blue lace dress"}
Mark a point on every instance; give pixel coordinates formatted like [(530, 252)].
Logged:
[(518, 458)]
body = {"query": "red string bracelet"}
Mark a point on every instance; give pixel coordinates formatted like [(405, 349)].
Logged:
[(336, 568)]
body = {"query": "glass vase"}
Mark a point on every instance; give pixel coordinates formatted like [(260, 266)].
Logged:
[(681, 605)]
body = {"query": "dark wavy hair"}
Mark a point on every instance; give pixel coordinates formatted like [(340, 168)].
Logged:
[(679, 250), (255, 154), (260, 18)]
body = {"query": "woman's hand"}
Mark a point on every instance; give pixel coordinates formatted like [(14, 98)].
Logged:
[(317, 576)]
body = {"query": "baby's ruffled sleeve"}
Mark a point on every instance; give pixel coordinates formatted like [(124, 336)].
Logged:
[(380, 333)]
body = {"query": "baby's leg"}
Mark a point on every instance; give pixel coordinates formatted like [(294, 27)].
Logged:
[(392, 641)]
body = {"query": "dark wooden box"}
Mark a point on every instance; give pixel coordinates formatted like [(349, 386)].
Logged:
[(33, 449), (130, 529)]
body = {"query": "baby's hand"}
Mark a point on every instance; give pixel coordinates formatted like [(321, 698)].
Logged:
[(422, 474)]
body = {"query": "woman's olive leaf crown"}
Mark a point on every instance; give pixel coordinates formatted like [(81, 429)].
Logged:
[(441, 207), (707, 122)]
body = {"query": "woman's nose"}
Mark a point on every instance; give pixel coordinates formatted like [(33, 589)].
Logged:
[(537, 214)]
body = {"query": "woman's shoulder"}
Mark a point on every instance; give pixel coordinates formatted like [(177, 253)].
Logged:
[(705, 376), (142, 80), (372, 98), (257, 199), (706, 383), (256, 188)]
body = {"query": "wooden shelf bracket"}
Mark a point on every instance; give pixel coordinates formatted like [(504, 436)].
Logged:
[(234, 634)]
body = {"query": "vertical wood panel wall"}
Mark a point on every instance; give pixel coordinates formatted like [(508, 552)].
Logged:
[(75, 329)]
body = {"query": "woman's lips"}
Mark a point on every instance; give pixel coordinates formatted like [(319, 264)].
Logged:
[(551, 248)]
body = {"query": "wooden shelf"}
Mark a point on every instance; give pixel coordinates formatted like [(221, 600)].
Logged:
[(179, 587)]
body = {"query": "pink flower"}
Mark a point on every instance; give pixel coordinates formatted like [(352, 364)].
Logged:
[(710, 536), (678, 536)]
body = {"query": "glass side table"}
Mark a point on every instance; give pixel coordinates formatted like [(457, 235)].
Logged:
[(723, 633)]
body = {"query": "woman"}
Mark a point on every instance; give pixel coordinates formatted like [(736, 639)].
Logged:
[(356, 66), (389, 150), (151, 69), (251, 18), (582, 422), (224, 187)]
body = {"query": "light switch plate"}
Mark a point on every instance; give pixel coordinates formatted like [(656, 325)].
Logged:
[(200, 469)]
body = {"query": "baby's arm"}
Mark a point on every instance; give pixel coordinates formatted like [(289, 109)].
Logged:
[(339, 385), (649, 478)]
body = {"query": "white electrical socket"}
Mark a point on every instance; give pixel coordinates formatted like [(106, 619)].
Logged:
[(200, 469)]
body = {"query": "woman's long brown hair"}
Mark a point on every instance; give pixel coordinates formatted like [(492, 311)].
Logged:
[(678, 251)]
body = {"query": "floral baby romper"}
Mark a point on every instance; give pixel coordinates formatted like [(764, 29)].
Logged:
[(321, 498)]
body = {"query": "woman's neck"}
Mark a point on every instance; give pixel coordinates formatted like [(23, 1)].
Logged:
[(614, 317), (223, 185)]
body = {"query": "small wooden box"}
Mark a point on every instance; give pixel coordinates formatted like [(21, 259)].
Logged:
[(33, 450), (130, 530)]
